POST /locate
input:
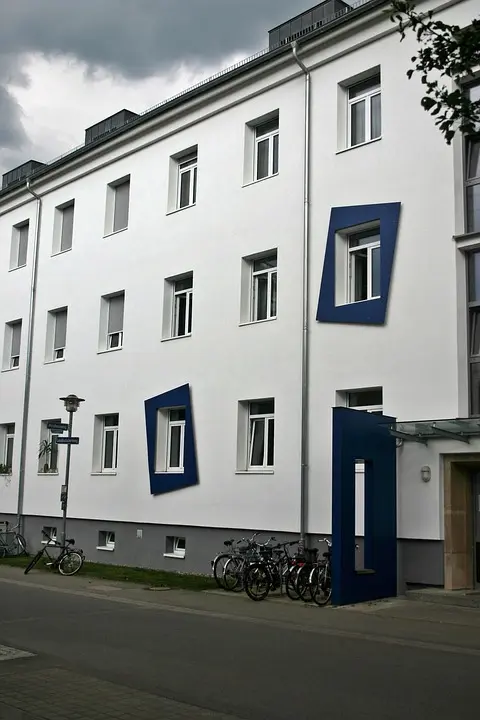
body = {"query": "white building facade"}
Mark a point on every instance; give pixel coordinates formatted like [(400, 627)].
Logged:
[(159, 273)]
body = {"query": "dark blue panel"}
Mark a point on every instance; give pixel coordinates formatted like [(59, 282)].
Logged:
[(362, 435), (367, 312), (166, 482)]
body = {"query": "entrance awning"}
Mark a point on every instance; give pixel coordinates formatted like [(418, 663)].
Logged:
[(421, 431)]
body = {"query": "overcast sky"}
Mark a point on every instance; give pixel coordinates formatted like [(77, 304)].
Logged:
[(66, 64)]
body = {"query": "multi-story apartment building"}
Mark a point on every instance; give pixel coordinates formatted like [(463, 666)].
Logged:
[(214, 275)]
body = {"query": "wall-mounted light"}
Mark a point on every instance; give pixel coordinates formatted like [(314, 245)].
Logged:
[(426, 473)]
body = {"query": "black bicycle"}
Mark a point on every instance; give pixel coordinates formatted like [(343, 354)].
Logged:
[(68, 561)]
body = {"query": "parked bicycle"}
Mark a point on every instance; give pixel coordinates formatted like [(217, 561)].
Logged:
[(271, 572), (12, 542), (68, 561), (233, 549), (235, 567)]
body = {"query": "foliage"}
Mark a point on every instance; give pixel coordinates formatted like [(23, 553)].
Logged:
[(445, 51), (4, 469)]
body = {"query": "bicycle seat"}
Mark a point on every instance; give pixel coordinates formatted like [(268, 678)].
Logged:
[(227, 543), (71, 541)]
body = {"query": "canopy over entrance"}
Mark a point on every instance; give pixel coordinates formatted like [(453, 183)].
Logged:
[(421, 431)]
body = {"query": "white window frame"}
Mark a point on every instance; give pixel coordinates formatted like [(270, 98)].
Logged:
[(9, 438), (351, 252), (52, 531), (256, 274), (366, 96), (170, 425), (108, 538), (59, 353), (116, 334), (270, 137), (173, 548), (14, 360), (188, 165), (16, 245), (266, 419), (187, 293), (375, 409), (105, 430)]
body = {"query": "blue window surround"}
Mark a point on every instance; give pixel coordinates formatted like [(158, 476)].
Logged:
[(163, 482), (366, 312)]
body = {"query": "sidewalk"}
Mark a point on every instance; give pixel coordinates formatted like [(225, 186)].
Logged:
[(395, 620)]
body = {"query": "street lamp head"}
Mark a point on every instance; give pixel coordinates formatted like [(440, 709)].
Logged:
[(72, 402)]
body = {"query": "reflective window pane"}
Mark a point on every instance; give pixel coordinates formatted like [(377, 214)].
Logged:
[(265, 263), (359, 260), (184, 189), (262, 159), (177, 415), (475, 332), (275, 153), (261, 297), (273, 297), (357, 123), (175, 445), (108, 449), (262, 407), (474, 277), (376, 272), (475, 388), (364, 87), (473, 159), (376, 116), (257, 439), (473, 208), (271, 442)]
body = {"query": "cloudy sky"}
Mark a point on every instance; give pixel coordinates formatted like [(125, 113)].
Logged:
[(66, 64)]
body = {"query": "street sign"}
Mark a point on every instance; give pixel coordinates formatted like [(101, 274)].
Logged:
[(68, 440), (57, 427)]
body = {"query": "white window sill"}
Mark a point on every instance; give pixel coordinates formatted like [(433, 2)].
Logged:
[(6, 474), (354, 147), (176, 337), (48, 474), (61, 252), (115, 232), (173, 471), (11, 369), (176, 210), (474, 235), (255, 182), (174, 555), (107, 549), (254, 471), (49, 542), (257, 322), (105, 472), (109, 350), (19, 267), (54, 362)]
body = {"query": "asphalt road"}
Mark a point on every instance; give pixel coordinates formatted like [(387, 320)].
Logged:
[(200, 663)]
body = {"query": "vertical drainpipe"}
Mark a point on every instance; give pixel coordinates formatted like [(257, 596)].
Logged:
[(305, 306), (28, 361)]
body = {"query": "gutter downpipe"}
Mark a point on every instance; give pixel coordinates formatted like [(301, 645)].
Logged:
[(28, 363), (305, 309)]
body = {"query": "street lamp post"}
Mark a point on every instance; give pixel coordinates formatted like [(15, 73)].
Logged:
[(72, 403)]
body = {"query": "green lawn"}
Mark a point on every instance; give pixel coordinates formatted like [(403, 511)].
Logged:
[(141, 576)]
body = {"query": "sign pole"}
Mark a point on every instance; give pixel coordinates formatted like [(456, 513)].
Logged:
[(67, 479)]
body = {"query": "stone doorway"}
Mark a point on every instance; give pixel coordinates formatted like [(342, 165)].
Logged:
[(461, 473)]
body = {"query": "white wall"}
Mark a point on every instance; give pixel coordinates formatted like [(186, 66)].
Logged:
[(414, 356)]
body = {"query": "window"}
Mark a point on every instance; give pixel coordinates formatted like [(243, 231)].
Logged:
[(13, 337), (63, 227), (473, 264), (182, 307), (19, 248), (364, 265), (187, 180), (370, 400), (266, 149), (364, 111), (264, 288), (118, 203), (8, 437), (51, 532), (56, 335), (175, 440), (106, 540), (48, 448), (111, 321), (175, 547), (109, 442), (472, 167), (261, 433)]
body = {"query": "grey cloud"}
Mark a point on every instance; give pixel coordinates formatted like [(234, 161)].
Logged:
[(132, 38)]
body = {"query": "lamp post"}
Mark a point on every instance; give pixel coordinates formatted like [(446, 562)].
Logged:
[(72, 403)]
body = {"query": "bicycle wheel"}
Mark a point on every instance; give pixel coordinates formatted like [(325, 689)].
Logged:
[(233, 574), (291, 582), (33, 561), (321, 585), (303, 583), (257, 582), (2, 552), (219, 567), (70, 563), (21, 545)]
